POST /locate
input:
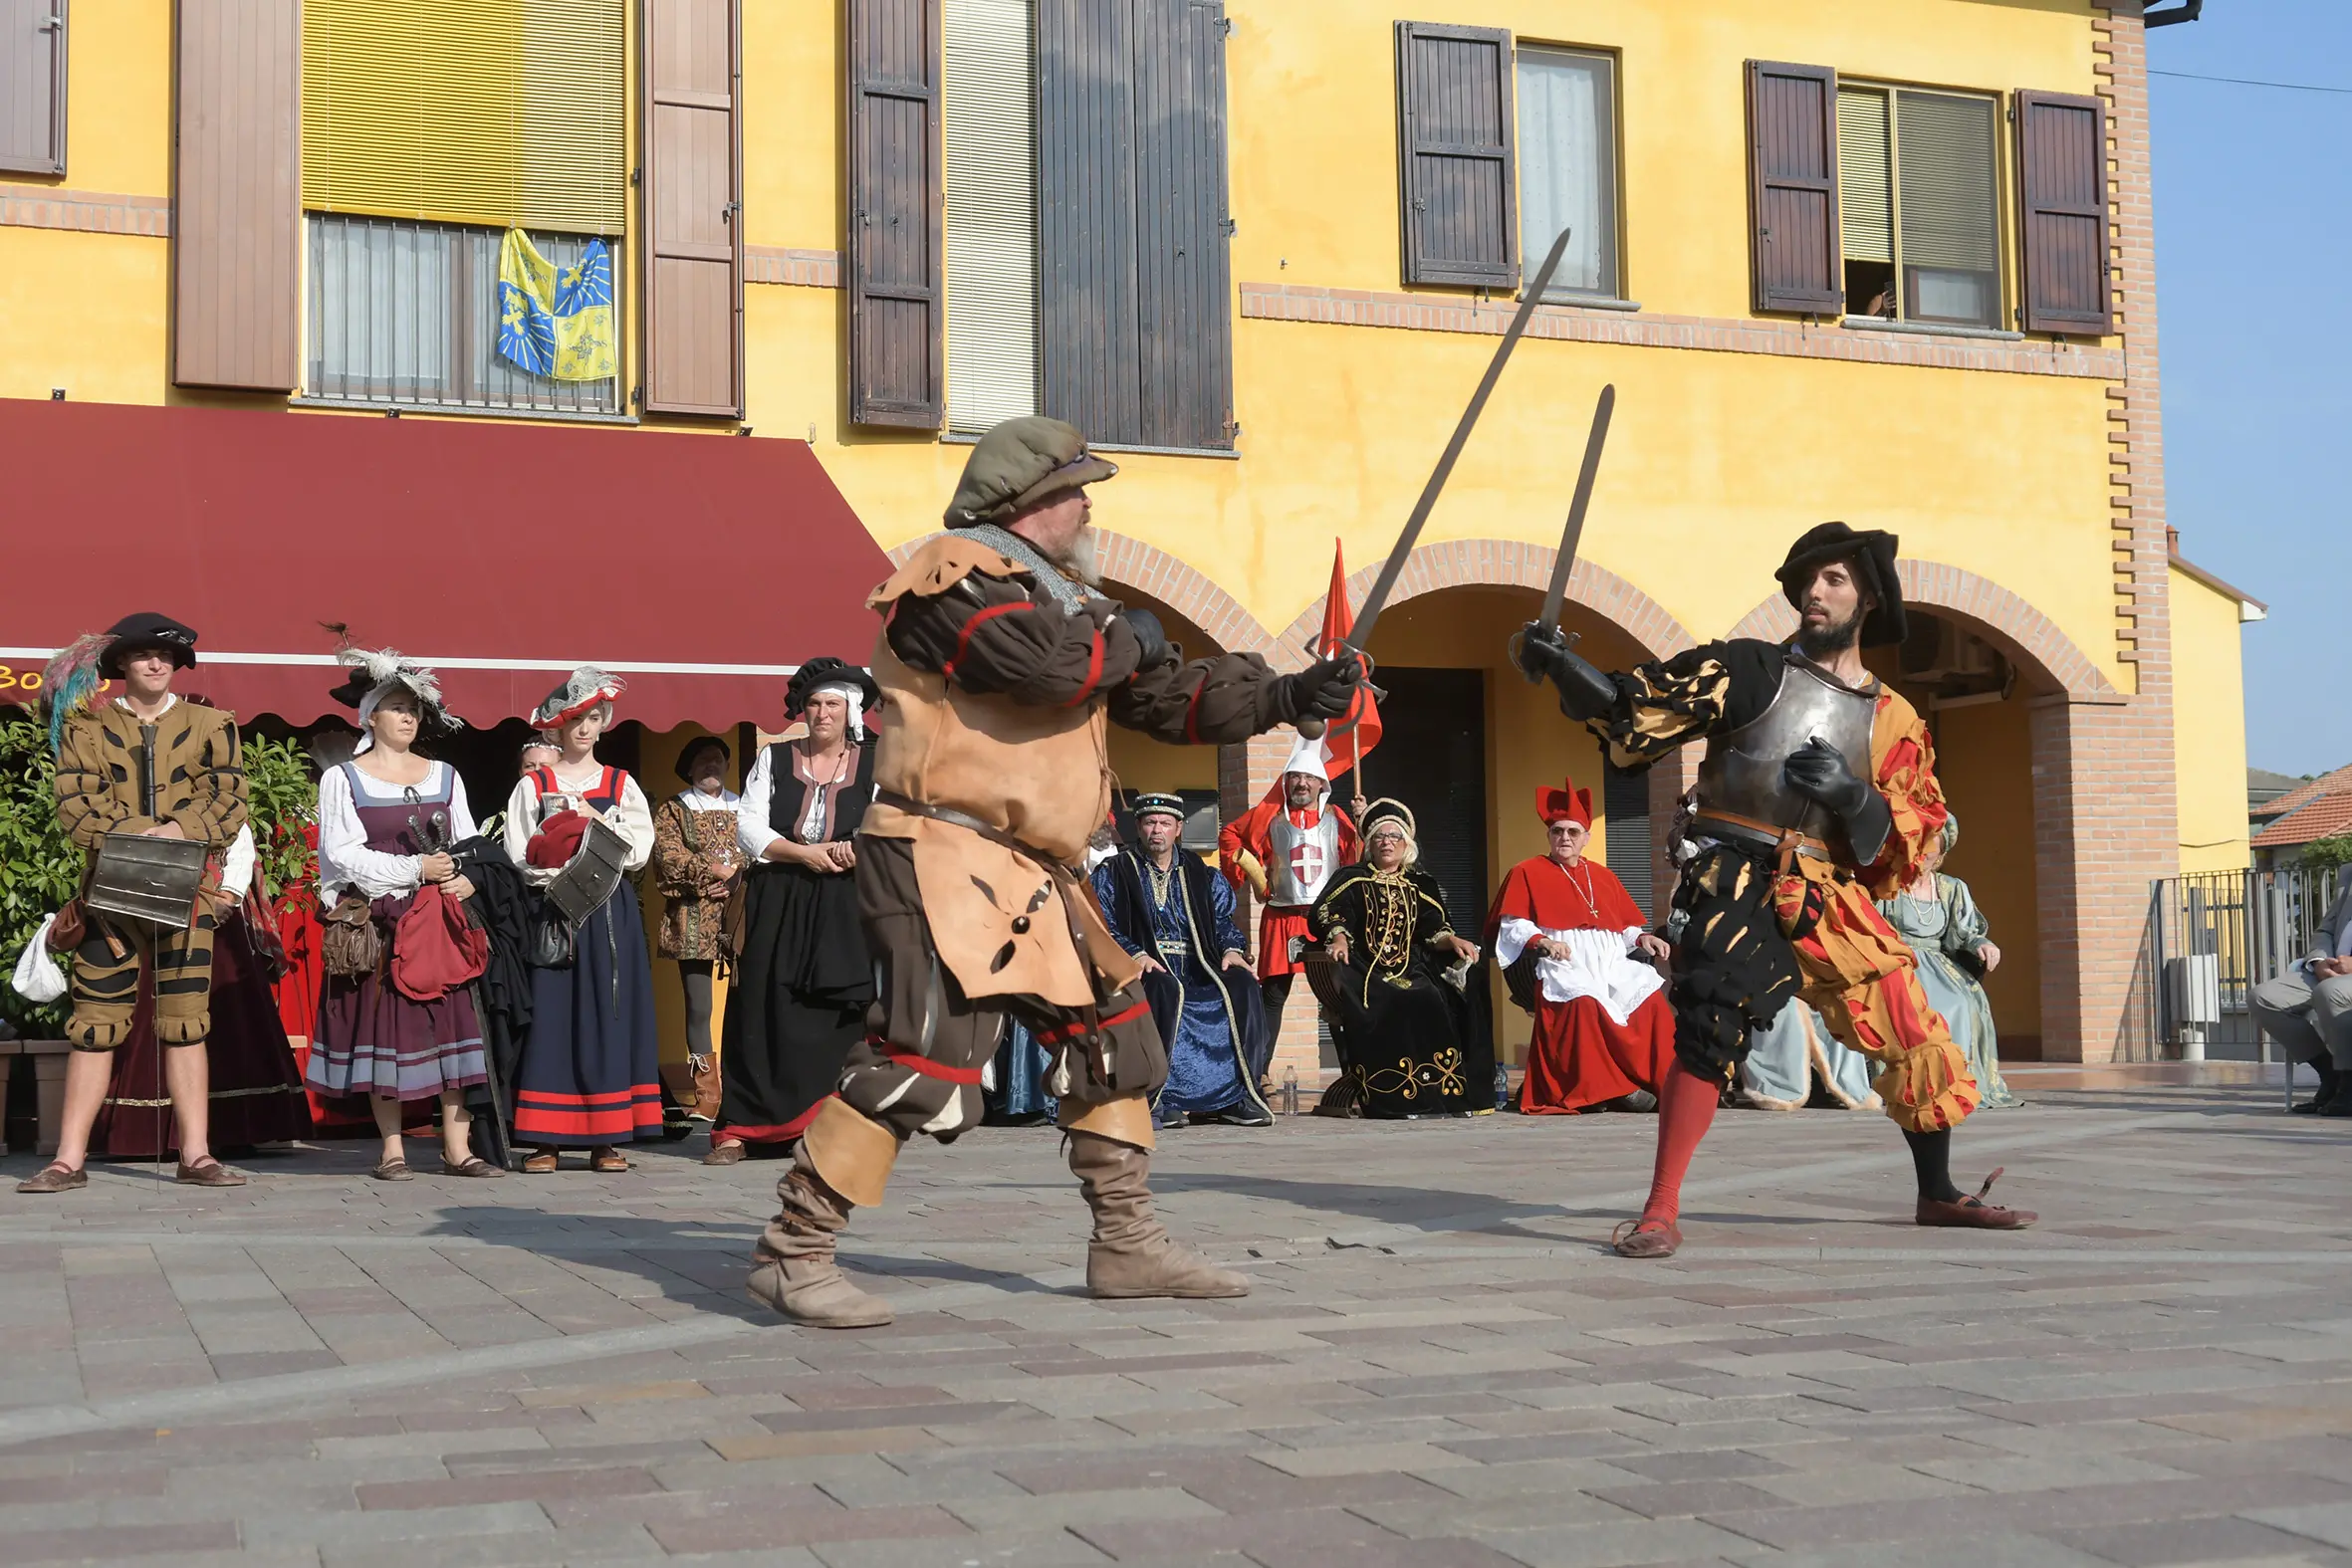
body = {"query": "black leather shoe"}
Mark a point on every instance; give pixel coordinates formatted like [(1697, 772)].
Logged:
[(2313, 1106), (2341, 1105), (1244, 1116)]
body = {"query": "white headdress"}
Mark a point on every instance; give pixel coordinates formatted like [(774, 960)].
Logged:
[(378, 673), (1308, 758)]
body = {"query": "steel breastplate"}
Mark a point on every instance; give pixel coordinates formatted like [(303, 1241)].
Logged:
[(1741, 772), (1303, 859)]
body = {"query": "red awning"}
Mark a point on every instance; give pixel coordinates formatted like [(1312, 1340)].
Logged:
[(703, 568)]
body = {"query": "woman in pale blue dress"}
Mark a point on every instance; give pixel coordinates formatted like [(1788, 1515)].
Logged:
[(1939, 920)]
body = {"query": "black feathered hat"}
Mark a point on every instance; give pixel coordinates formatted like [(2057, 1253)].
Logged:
[(148, 629), (694, 748), (1872, 552), (819, 673)]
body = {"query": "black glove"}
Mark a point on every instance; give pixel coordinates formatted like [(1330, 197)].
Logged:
[(1819, 772), (1152, 638), (1323, 690), (1585, 690)]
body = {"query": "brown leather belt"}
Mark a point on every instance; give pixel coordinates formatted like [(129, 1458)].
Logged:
[(1764, 835), (969, 824)]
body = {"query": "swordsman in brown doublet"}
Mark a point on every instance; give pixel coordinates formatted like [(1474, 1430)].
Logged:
[(999, 668)]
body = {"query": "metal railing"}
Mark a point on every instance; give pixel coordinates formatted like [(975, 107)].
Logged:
[(2212, 938)]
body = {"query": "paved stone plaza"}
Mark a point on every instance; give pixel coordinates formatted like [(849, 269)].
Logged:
[(1439, 1367)]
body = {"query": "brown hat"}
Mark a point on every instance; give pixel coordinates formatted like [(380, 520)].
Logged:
[(1020, 463)]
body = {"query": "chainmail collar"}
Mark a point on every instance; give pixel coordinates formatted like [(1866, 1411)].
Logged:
[(1069, 595)]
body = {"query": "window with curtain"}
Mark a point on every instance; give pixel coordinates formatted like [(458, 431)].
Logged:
[(1567, 165), (1919, 205), (430, 129), (408, 313)]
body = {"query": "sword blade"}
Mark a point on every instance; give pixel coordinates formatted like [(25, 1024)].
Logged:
[(1360, 634), (1573, 533)]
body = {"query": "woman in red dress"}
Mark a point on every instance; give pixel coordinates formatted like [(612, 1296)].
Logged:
[(1577, 955)]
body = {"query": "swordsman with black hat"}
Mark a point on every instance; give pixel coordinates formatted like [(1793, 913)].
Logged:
[(143, 765), (1817, 794), (999, 664)]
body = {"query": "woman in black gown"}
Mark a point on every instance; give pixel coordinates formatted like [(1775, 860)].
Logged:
[(1400, 1026), (802, 981)]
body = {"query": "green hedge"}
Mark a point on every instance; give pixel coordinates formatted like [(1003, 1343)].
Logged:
[(40, 867)]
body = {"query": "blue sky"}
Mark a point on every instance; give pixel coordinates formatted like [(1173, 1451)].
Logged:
[(2253, 269)]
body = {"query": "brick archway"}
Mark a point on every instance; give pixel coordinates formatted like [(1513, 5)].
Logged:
[(2022, 633), (1129, 562), (1504, 563)]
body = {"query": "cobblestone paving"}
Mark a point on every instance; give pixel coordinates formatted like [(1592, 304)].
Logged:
[(1438, 1367)]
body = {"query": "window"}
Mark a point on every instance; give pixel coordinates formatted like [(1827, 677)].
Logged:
[(429, 130), (1919, 205), (992, 223), (1567, 165), (33, 87), (408, 313), (1075, 223)]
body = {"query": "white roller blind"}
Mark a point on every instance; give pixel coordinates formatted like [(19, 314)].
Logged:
[(1865, 174), (1567, 165), (991, 231)]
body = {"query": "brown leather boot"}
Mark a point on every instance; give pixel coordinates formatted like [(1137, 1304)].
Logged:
[(793, 1269), (1131, 1253)]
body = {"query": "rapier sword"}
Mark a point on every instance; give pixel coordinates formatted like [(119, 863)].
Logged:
[(1359, 635), (1547, 626)]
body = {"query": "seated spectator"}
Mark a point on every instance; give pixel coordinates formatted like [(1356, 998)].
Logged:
[(1398, 1014), (1577, 957), (1795, 1061), (2307, 1008)]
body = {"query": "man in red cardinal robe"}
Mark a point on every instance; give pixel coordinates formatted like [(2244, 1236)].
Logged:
[(1577, 955)]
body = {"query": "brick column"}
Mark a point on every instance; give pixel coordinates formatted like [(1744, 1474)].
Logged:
[(2107, 813)]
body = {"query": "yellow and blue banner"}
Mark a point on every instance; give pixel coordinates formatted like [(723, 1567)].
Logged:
[(555, 321)]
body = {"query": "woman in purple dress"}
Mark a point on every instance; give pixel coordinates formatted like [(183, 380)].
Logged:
[(589, 1077), (385, 819)]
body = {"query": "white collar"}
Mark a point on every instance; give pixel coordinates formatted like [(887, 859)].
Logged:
[(696, 801), (170, 701)]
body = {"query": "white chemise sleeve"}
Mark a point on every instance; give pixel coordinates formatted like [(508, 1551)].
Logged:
[(752, 832), (344, 860), (522, 820), (636, 822)]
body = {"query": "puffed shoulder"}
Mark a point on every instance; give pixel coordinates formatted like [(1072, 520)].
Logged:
[(940, 565)]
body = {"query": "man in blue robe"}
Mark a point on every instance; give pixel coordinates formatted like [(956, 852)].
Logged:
[(1165, 906)]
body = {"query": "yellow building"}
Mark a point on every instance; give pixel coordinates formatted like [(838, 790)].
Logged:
[(1881, 260)]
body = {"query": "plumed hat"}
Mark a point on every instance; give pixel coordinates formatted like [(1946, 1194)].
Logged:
[(1308, 758), (581, 690), (146, 630), (1872, 551), (1160, 804), (694, 748), (1018, 463), (816, 675), (375, 673), (1566, 804)]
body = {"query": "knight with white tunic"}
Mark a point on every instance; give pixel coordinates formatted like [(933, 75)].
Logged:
[(1285, 850)]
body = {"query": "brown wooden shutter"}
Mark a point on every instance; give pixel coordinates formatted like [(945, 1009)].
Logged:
[(1182, 271), (1454, 125), (33, 87), (693, 208), (897, 214), (236, 249), (2062, 214), (1793, 246)]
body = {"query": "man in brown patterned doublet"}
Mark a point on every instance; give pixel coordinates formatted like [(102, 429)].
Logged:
[(1000, 667)]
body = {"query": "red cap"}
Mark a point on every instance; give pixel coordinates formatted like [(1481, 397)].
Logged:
[(1570, 805)]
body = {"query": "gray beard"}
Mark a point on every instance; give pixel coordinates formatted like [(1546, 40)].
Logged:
[(1079, 560)]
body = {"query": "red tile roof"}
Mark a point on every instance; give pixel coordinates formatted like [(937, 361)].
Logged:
[(2303, 795), (2323, 818)]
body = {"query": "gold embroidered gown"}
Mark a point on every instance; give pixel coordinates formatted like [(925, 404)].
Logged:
[(1401, 1027)]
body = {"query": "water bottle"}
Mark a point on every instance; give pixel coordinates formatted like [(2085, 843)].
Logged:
[(1502, 1087), (1290, 1092)]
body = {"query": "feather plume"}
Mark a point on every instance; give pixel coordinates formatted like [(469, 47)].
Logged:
[(71, 680)]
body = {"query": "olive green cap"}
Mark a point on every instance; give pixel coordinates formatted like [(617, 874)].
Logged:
[(1018, 463)]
